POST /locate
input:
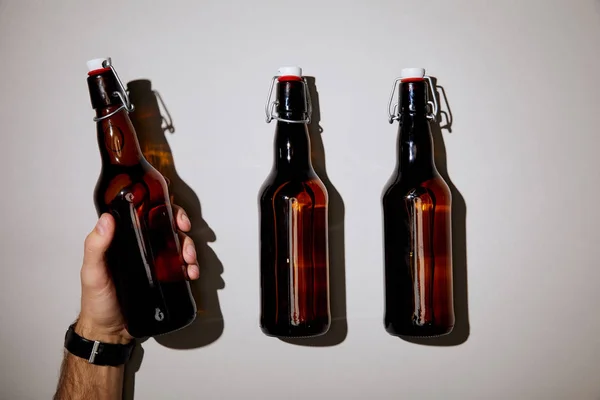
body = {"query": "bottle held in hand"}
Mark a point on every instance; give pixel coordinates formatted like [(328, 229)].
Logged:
[(145, 258)]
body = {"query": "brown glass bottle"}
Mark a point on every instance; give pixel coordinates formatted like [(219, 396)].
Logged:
[(417, 228), (294, 258), (145, 257)]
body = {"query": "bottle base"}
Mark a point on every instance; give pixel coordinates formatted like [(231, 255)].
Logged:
[(415, 331), (162, 329), (309, 330)]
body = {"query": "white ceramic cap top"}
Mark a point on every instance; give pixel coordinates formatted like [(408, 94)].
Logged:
[(290, 71), (407, 73), (96, 63)]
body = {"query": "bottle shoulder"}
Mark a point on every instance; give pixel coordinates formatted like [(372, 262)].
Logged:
[(279, 176), (142, 170), (281, 187), (140, 182), (400, 188)]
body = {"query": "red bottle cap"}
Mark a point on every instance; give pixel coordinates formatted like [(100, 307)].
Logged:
[(290, 73)]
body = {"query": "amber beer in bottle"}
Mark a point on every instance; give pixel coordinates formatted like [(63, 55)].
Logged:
[(144, 258), (417, 226), (294, 269)]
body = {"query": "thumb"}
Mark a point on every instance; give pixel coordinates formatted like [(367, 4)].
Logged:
[(94, 272)]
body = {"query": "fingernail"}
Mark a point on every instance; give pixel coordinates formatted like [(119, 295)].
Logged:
[(101, 225), (185, 219), (190, 250)]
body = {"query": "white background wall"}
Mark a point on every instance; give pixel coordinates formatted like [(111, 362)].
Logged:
[(521, 82)]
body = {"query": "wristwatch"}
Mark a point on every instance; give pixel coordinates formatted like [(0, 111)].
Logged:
[(96, 352)]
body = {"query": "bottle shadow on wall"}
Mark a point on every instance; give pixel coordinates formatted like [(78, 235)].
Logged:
[(151, 126), (337, 264), (133, 366), (461, 330)]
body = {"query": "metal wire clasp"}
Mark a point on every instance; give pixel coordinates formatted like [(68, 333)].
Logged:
[(394, 113), (270, 112), (122, 95)]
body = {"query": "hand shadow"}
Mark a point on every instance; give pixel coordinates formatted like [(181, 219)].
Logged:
[(337, 267), (461, 330), (148, 122), (132, 366)]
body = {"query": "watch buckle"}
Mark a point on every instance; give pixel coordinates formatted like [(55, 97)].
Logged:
[(94, 352)]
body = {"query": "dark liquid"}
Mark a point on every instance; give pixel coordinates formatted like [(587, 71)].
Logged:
[(293, 244), (418, 259), (145, 256)]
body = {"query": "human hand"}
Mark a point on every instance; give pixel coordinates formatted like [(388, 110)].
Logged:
[(100, 317)]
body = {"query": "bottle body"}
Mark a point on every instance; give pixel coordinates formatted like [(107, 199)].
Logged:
[(144, 258), (418, 258), (417, 230), (294, 256)]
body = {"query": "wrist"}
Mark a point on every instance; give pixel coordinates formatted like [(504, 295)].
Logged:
[(91, 331), (100, 347)]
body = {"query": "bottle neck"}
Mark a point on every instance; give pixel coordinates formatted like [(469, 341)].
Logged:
[(117, 140), (116, 136), (292, 148), (415, 143), (292, 143)]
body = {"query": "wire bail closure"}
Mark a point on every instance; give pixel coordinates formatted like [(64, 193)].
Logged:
[(271, 113), (122, 95), (394, 113)]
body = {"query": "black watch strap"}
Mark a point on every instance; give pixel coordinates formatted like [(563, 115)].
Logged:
[(95, 352)]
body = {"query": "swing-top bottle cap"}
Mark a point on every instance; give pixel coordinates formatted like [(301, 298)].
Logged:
[(96, 63), (290, 71), (412, 73)]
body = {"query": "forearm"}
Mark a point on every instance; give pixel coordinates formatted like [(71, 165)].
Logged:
[(80, 380)]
